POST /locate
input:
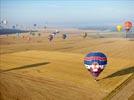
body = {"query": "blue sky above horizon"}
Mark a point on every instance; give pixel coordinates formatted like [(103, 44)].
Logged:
[(67, 12)]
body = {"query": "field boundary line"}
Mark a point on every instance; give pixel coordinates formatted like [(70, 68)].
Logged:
[(118, 88)]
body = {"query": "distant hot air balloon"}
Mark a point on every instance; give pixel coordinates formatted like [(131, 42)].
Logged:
[(119, 28), (54, 33), (39, 34), (13, 26), (85, 35), (95, 62), (28, 38), (16, 25), (35, 25), (50, 37), (4, 22), (64, 36), (128, 25), (57, 31)]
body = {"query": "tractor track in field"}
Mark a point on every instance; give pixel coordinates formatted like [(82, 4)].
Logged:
[(118, 88)]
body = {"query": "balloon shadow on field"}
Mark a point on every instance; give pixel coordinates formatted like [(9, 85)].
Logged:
[(26, 66), (121, 72)]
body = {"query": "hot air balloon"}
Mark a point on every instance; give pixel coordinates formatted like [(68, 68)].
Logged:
[(39, 34), (64, 36), (35, 25), (95, 62), (128, 25), (119, 28), (4, 22), (85, 35), (50, 37), (13, 26), (28, 38)]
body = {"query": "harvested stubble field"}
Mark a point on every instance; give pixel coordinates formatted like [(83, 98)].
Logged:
[(43, 70)]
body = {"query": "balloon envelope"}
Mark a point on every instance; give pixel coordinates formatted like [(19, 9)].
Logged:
[(127, 25), (35, 25), (119, 28), (64, 36), (13, 27), (95, 62), (4, 22)]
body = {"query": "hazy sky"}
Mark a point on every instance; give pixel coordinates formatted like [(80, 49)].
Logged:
[(67, 12)]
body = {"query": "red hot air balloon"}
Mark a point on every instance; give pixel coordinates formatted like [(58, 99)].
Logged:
[(128, 25)]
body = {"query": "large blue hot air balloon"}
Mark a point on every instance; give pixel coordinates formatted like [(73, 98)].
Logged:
[(95, 62)]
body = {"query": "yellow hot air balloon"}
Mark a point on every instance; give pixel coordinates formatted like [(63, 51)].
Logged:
[(119, 28)]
